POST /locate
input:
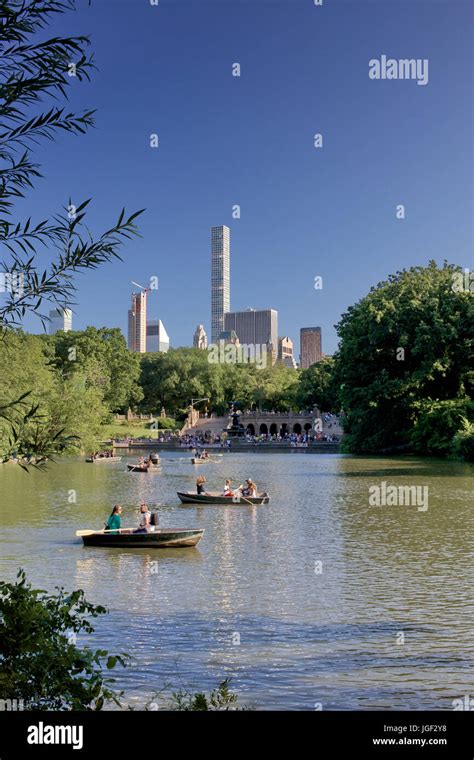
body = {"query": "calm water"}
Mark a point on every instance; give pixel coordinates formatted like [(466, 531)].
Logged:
[(305, 638)]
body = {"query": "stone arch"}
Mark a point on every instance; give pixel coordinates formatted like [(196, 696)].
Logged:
[(273, 429), (307, 427), (297, 428), (284, 429), (263, 429), (250, 429)]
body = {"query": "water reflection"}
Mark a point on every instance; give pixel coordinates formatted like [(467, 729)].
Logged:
[(301, 601)]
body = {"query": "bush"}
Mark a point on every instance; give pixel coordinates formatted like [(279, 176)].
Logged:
[(163, 423), (219, 699), (437, 422), (463, 442), (40, 661)]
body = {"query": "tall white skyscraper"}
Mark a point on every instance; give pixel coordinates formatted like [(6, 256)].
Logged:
[(220, 279), (137, 323), (60, 319), (157, 338)]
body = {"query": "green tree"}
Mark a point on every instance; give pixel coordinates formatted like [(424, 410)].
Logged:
[(33, 71), (102, 358), (406, 347), (41, 662), (317, 386)]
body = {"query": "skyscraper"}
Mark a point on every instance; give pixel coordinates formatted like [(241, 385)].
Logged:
[(60, 319), (285, 352), (157, 338), (137, 323), (310, 346), (220, 279), (200, 337), (255, 328)]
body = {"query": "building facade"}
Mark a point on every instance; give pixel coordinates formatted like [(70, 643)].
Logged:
[(255, 328), (310, 346), (137, 323), (200, 337), (60, 319), (285, 352), (157, 339), (220, 279)]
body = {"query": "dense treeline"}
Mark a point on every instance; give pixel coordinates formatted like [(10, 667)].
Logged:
[(403, 374), (404, 370)]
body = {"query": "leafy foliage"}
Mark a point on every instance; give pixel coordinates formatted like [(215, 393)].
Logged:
[(406, 361), (40, 661), (34, 70), (220, 699), (317, 386)]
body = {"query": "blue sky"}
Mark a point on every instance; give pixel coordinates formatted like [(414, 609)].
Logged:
[(248, 140)]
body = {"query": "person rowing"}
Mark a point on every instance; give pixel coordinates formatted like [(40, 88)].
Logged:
[(250, 489)]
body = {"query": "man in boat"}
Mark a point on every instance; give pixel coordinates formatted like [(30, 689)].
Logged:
[(113, 523), (250, 488), (204, 454), (145, 519)]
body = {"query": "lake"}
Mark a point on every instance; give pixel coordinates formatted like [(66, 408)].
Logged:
[(317, 600)]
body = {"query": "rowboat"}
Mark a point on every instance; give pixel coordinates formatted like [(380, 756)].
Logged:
[(102, 460), (162, 538), (143, 467), (217, 498), (205, 460)]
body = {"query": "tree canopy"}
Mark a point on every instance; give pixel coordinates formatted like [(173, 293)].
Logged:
[(405, 362)]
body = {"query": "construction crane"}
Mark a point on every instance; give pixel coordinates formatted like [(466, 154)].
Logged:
[(145, 290)]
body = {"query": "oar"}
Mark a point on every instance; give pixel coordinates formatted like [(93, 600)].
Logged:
[(111, 530), (244, 499), (137, 506)]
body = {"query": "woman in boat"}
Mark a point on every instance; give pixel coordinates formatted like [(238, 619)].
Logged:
[(227, 488), (250, 489), (145, 519), (200, 484), (114, 521)]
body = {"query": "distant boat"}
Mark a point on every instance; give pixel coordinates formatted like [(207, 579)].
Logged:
[(216, 498), (102, 460), (205, 460), (162, 538)]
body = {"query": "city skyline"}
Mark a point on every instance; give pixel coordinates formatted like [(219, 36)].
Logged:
[(303, 212)]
